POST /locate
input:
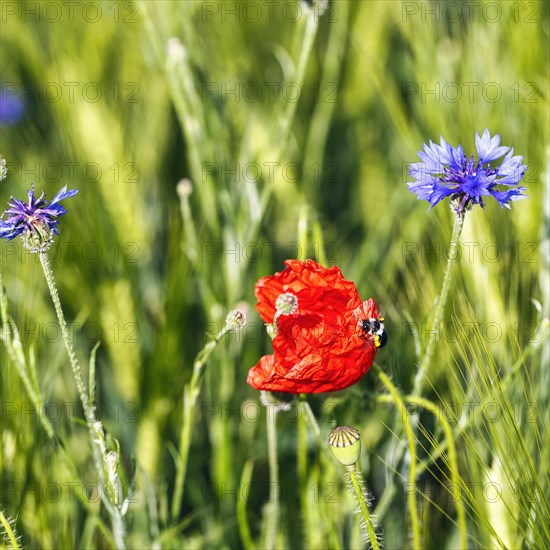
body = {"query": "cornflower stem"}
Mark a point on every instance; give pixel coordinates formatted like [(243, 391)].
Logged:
[(425, 364), (117, 519), (273, 516), (363, 505), (191, 393), (89, 413), (12, 341)]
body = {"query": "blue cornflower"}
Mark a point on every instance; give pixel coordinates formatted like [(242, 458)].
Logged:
[(36, 221), (445, 171), (11, 107)]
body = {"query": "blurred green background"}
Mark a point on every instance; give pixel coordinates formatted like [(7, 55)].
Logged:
[(294, 132)]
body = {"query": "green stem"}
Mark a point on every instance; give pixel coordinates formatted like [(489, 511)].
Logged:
[(89, 412), (363, 506), (411, 495), (425, 363), (310, 417), (302, 461), (244, 528), (298, 76), (440, 306), (94, 427), (273, 516), (191, 393)]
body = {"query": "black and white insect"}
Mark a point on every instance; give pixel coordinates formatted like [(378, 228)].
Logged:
[(371, 327)]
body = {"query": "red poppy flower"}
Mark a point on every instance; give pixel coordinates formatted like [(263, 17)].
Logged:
[(321, 346)]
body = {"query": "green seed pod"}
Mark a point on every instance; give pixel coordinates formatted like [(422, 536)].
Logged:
[(345, 444)]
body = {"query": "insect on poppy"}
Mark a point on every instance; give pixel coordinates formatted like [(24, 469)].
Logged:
[(370, 324)]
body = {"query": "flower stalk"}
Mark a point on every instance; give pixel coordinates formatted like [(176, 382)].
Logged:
[(363, 505), (89, 411), (234, 321), (425, 364), (102, 458), (345, 444), (273, 506)]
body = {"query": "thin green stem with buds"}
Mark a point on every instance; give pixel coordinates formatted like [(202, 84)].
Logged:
[(190, 395)]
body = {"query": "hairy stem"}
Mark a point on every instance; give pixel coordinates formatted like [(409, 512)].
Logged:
[(363, 506), (89, 412)]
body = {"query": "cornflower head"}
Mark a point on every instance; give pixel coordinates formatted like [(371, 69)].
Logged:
[(36, 220), (445, 171)]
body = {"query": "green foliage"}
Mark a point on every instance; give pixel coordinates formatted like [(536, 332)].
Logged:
[(152, 270)]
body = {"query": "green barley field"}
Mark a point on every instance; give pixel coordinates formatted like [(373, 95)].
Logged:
[(209, 142)]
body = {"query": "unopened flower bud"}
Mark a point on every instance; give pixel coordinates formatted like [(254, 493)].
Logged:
[(184, 188), (286, 303), (235, 319), (345, 444)]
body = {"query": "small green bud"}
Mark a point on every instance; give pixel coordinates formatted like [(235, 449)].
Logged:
[(345, 444)]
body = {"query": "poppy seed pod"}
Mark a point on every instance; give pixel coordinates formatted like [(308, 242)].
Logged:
[(345, 444)]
